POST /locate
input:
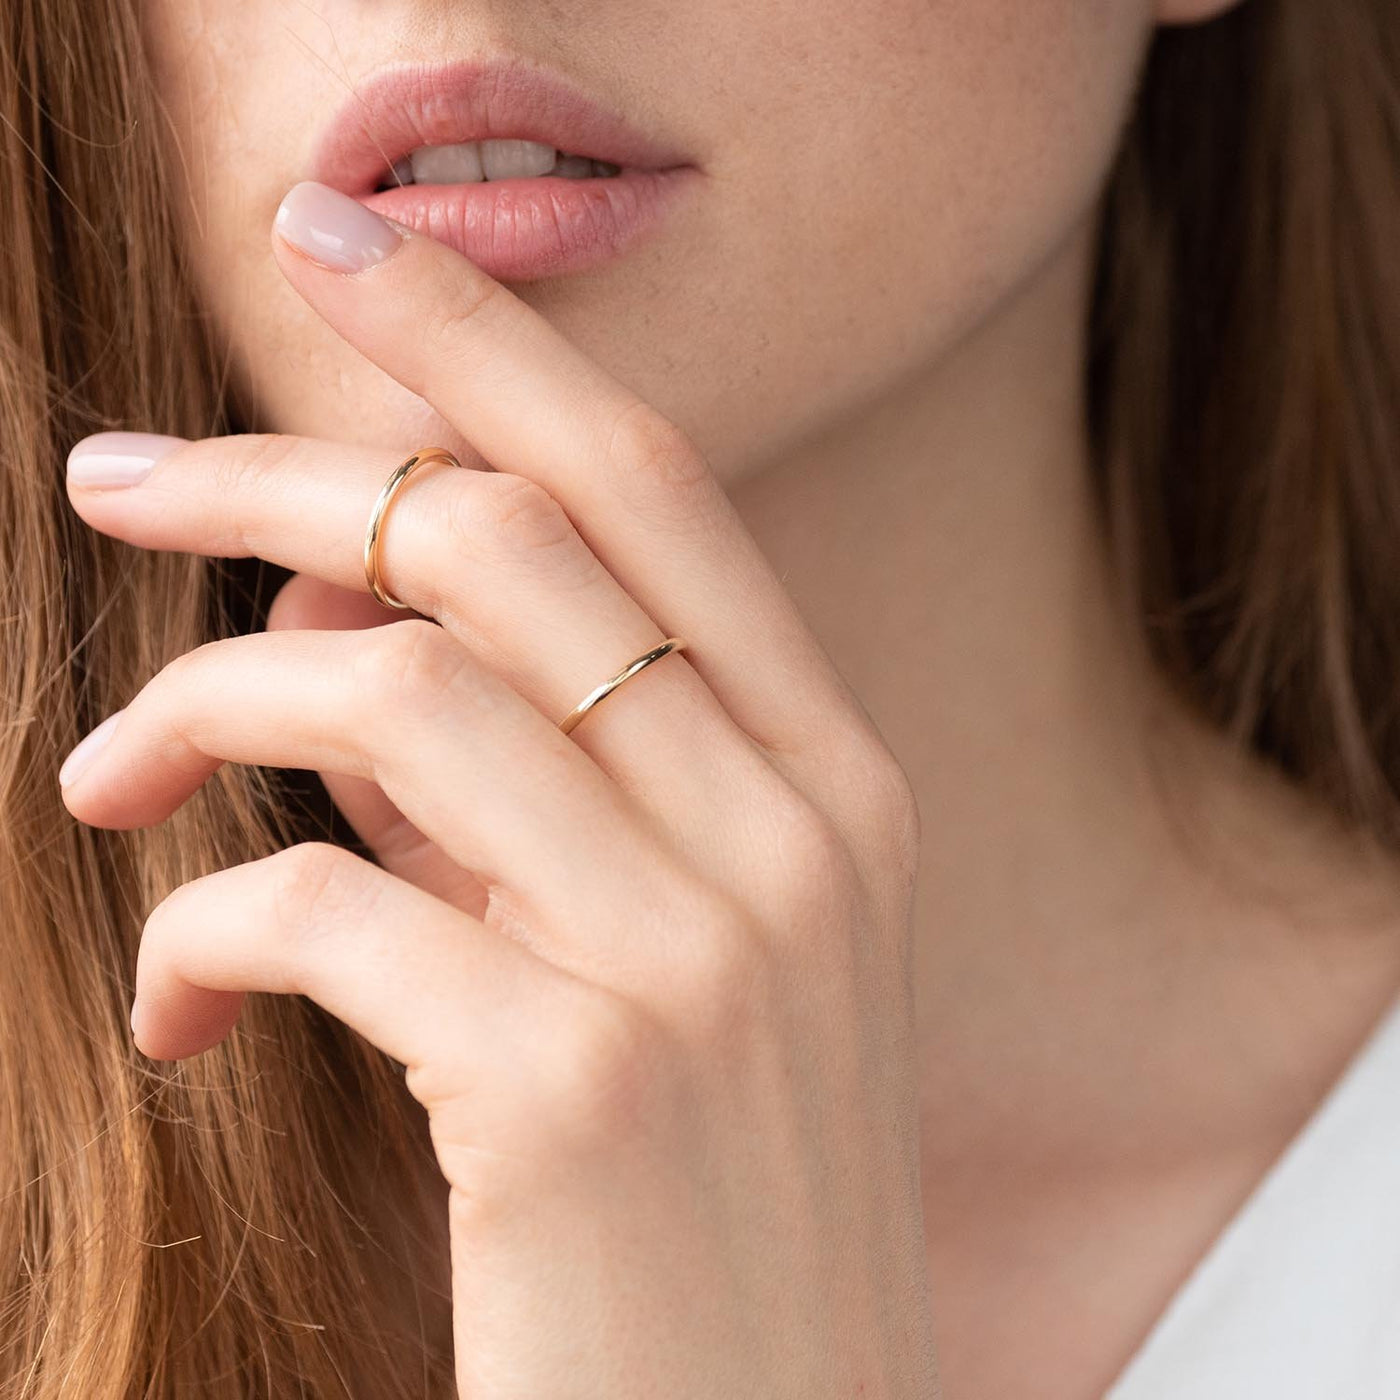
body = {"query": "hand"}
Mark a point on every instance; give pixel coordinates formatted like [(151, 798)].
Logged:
[(648, 979)]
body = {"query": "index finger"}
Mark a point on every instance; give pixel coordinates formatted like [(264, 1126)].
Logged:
[(530, 402)]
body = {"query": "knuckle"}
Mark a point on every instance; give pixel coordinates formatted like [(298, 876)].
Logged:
[(452, 323), (490, 1187), (886, 807), (166, 947), (174, 909), (408, 667), (172, 706), (247, 463), (187, 671), (176, 674), (511, 515), (812, 848), (243, 474), (646, 446), (311, 884), (812, 882), (601, 1067)]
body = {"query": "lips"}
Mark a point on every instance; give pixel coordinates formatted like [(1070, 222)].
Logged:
[(402, 108), (514, 228)]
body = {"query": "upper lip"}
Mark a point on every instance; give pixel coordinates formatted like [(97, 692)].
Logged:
[(398, 109)]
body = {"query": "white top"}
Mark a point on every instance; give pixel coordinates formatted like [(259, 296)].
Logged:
[(1299, 1297)]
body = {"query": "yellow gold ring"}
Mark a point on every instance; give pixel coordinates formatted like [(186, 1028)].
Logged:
[(376, 518), (608, 686)]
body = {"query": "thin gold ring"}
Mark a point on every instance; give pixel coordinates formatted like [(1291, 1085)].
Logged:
[(608, 686), (376, 518)]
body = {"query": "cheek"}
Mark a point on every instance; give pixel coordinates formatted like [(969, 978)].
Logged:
[(900, 167)]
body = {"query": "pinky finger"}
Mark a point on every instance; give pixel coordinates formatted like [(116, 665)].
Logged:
[(423, 981)]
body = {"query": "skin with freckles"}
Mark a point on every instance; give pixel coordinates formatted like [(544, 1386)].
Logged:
[(864, 324)]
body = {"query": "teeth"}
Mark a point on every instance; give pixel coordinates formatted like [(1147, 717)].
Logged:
[(469, 162), (446, 165), (505, 160)]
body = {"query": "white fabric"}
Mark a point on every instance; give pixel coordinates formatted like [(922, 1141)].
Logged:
[(1299, 1298)]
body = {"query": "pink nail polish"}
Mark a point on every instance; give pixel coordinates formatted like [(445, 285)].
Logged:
[(334, 230), (87, 749), (117, 459)]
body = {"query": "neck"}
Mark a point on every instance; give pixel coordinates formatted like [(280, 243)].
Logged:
[(943, 544)]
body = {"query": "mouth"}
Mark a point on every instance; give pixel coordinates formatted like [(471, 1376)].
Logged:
[(471, 162), (506, 161)]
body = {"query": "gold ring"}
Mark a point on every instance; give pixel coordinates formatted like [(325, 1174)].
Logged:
[(608, 686), (376, 518)]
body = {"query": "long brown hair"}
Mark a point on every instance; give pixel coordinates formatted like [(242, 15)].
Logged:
[(201, 1228), (1244, 386)]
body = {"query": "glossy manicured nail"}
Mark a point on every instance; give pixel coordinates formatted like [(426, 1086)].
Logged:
[(117, 459), (334, 230), (87, 749)]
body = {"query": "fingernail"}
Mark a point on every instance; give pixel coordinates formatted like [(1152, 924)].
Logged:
[(117, 459), (87, 749), (334, 230)]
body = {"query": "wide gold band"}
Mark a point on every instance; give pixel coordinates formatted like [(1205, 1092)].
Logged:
[(608, 686), (376, 518)]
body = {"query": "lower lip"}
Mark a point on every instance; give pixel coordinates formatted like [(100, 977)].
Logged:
[(516, 230)]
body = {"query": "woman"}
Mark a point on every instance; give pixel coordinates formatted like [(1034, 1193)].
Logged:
[(951, 439)]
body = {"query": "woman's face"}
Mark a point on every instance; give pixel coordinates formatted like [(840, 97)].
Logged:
[(874, 178)]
